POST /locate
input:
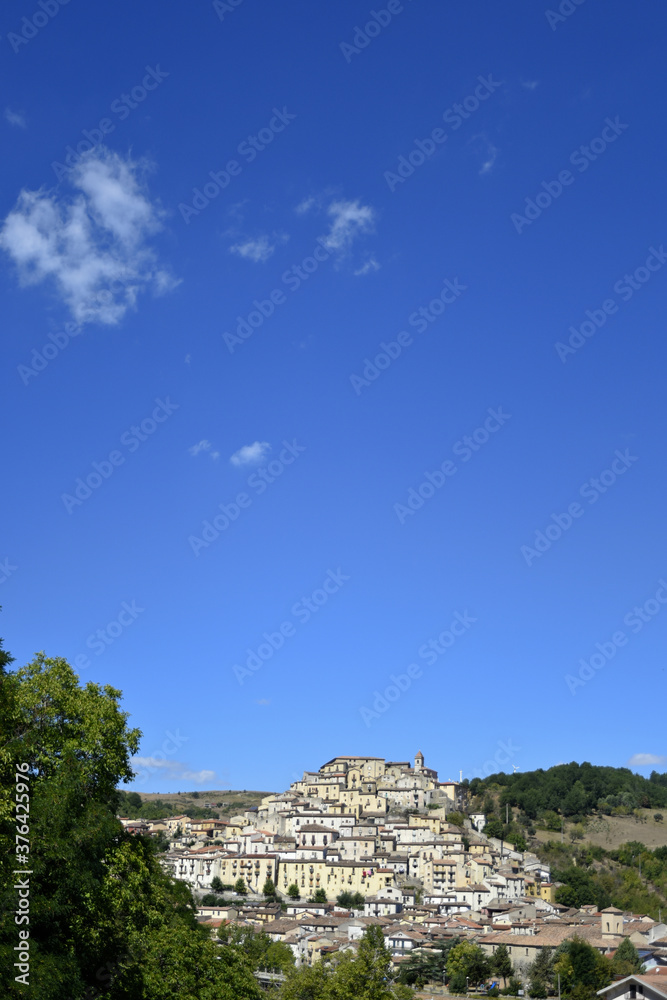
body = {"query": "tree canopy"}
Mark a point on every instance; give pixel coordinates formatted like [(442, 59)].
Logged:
[(105, 921)]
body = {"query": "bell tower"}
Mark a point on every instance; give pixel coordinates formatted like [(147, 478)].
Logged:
[(419, 761)]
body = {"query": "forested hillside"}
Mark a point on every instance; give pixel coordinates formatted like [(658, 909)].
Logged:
[(576, 789)]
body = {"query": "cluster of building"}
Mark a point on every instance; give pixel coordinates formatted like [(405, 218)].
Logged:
[(380, 829)]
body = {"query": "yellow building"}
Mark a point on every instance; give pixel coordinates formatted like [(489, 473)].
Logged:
[(541, 890), (333, 877), (253, 869)]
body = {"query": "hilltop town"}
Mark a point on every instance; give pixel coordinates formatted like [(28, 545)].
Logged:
[(367, 841)]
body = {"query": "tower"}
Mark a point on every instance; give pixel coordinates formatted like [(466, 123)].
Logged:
[(419, 761)]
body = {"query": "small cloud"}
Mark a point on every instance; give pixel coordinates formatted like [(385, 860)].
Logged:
[(646, 759), (370, 265), (205, 446), (530, 84), (263, 701), (487, 166), (16, 118), (257, 250), (305, 205), (188, 359), (201, 446), (350, 219), (91, 245), (251, 453), (168, 770)]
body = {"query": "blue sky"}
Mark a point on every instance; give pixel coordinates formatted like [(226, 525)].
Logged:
[(368, 432)]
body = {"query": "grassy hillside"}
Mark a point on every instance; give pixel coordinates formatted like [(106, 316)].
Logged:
[(197, 805)]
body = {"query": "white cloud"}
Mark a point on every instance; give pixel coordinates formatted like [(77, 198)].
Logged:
[(169, 770), (188, 359), (257, 250), (251, 453), (530, 84), (487, 166), (201, 446), (15, 118), (263, 701), (370, 265), (91, 245), (305, 205), (204, 446), (350, 219), (644, 759)]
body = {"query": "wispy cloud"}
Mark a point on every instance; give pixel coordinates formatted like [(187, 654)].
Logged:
[(645, 759), (530, 84), (16, 118), (251, 453), (171, 770), (204, 446), (491, 156), (349, 219), (367, 268), (263, 701), (257, 250), (91, 246), (306, 205)]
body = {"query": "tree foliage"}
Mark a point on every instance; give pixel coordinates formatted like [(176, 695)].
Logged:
[(468, 959), (366, 976), (106, 922), (575, 789)]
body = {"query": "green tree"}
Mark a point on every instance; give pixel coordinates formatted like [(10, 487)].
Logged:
[(350, 900), (494, 828), (216, 884), (269, 889), (320, 896), (469, 960), (180, 964), (541, 973), (240, 887), (106, 923), (501, 963), (293, 891), (626, 960), (583, 970)]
